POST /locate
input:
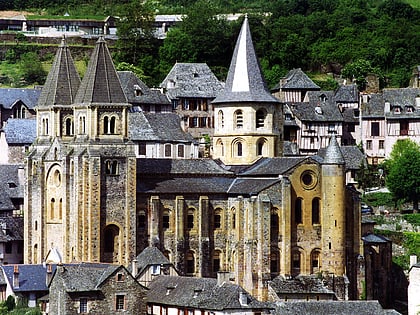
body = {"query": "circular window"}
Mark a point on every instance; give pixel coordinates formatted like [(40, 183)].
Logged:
[(308, 179)]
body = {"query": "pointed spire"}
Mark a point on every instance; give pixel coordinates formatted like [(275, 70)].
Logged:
[(62, 82), (333, 154), (245, 82), (101, 83)]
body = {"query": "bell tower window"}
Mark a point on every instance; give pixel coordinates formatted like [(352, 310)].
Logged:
[(239, 119)]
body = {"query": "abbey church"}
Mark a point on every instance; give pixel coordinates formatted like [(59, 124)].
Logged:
[(248, 211)]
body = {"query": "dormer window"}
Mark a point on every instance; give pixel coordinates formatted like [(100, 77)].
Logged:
[(356, 112), (409, 109), (288, 116), (195, 75), (323, 98), (397, 110), (318, 110), (137, 91)]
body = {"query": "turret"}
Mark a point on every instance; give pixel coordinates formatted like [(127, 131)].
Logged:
[(333, 210), (247, 117)]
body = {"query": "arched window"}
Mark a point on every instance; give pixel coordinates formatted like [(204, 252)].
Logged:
[(82, 125), (260, 118), (298, 211), (112, 125), (216, 261), (60, 209), (190, 263), (239, 149), (69, 127), (233, 214), (274, 262), (52, 208), (219, 147), (217, 219), (261, 147), (190, 219), (296, 262), (141, 220), (315, 261), (165, 219), (239, 119), (111, 234), (315, 211), (106, 125), (221, 119)]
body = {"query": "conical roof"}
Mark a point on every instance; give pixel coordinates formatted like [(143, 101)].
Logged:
[(62, 82), (333, 154), (245, 82), (101, 83)]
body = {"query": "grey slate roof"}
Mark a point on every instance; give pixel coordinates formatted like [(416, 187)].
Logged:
[(332, 308), (62, 82), (130, 83), (245, 82), (403, 98), (251, 186), (296, 79), (347, 94), (100, 83), (162, 127), (374, 108), (300, 284), (352, 155), (187, 167), (200, 293), (375, 238), (20, 131), (273, 166), (11, 229), (307, 111), (151, 256), (10, 97), (191, 80), (84, 277), (333, 154), (10, 186), (32, 278), (185, 185)]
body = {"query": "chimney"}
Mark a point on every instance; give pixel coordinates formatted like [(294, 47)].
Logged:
[(48, 274), (15, 276), (223, 277), (134, 267)]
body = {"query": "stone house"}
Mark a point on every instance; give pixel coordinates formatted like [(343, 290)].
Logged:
[(159, 135), (187, 295), (16, 137), (95, 289), (151, 263), (27, 282), (17, 103), (11, 240), (191, 87), (141, 97)]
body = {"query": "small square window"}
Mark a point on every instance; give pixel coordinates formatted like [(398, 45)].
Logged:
[(120, 277)]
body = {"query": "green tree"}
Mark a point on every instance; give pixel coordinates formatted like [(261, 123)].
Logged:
[(31, 68), (403, 171)]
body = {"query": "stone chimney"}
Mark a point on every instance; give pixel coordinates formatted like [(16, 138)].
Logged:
[(48, 274), (134, 267), (15, 276), (223, 277)]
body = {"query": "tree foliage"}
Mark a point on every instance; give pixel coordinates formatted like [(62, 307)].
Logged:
[(403, 171)]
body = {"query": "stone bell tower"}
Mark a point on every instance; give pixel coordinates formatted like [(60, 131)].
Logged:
[(248, 119)]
